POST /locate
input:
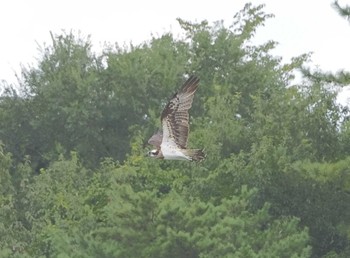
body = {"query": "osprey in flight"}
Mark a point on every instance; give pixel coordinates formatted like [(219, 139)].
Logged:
[(171, 142)]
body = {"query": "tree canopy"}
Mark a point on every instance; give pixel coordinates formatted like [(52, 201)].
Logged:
[(75, 181)]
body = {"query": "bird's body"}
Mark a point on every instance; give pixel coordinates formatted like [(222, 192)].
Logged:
[(171, 142), (173, 152)]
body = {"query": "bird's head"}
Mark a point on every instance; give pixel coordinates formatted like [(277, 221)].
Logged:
[(153, 153)]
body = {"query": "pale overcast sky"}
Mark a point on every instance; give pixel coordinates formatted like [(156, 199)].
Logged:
[(299, 26)]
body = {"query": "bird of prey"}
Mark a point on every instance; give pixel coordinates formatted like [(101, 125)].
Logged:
[(171, 141)]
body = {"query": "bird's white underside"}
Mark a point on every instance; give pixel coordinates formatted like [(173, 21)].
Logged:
[(169, 148), (171, 151)]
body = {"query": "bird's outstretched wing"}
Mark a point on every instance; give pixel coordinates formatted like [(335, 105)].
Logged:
[(156, 139), (175, 117)]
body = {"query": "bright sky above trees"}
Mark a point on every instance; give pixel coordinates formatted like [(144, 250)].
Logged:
[(299, 26)]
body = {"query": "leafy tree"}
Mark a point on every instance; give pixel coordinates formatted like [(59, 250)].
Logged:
[(68, 211), (191, 228)]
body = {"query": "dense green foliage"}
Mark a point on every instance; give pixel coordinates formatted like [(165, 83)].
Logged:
[(75, 182)]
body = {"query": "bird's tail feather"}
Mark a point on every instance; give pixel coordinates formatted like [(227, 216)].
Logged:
[(195, 154)]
